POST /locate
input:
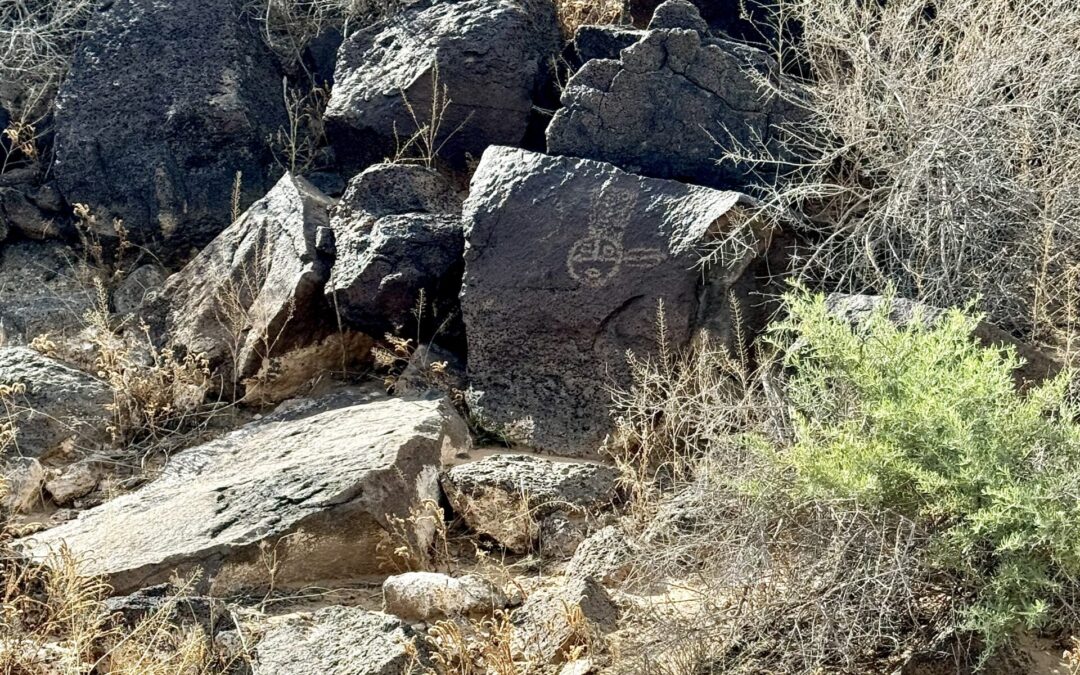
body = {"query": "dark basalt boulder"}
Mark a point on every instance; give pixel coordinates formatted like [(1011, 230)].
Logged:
[(672, 103), (491, 57), (165, 103)]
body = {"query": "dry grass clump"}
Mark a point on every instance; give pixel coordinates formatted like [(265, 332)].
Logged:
[(289, 25), (572, 14), (37, 41), (941, 153), (160, 397)]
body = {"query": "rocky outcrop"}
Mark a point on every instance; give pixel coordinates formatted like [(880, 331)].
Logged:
[(489, 55), (428, 596), (315, 492), (1037, 367), (673, 103), (399, 240), (544, 627), (165, 103), (257, 290), (525, 503), (43, 289), (567, 262), (55, 408), (339, 641)]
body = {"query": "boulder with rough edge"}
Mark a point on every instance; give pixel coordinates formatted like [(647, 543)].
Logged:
[(42, 290), (128, 296), (399, 239), (164, 104), (428, 596), (69, 483), (340, 641), (671, 104), (543, 631), (314, 490), (521, 500), (23, 478), (55, 408), (257, 290), (489, 55), (1037, 367), (604, 556), (566, 264)]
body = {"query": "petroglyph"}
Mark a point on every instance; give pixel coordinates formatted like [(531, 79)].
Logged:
[(599, 256)]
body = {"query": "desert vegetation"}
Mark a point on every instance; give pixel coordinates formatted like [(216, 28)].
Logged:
[(826, 454)]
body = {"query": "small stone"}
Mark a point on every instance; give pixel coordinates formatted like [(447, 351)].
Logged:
[(72, 482), (428, 596), (23, 478), (604, 556)]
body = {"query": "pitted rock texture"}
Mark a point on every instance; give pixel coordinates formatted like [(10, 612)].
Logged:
[(257, 290), (519, 500), (566, 264), (543, 630), (399, 240), (317, 490), (339, 641), (42, 290), (671, 104), (164, 104), (55, 408), (429, 596), (489, 55)]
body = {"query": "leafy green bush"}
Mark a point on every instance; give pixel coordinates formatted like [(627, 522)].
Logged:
[(922, 421)]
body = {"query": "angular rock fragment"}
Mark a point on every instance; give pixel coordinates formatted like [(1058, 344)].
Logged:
[(399, 241), (672, 103), (22, 481), (69, 483), (604, 556), (427, 596), (489, 55), (545, 630), (340, 641), (566, 266), (257, 290), (54, 408), (519, 500), (165, 103), (315, 492), (128, 297)]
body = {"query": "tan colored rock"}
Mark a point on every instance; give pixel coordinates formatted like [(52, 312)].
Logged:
[(311, 492), (71, 482), (22, 481), (426, 596), (555, 620)]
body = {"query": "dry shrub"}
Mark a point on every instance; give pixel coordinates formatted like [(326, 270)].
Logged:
[(942, 153), (573, 14), (159, 395), (37, 41), (289, 25), (745, 577)]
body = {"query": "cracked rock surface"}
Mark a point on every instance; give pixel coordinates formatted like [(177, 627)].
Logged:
[(315, 489), (670, 104), (566, 263), (489, 55)]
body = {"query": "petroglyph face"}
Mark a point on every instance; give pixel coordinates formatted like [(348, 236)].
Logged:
[(599, 256), (595, 259)]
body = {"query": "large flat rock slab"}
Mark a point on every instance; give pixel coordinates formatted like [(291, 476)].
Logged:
[(314, 492), (566, 264)]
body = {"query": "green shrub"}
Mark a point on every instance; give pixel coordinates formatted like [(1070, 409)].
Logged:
[(922, 421)]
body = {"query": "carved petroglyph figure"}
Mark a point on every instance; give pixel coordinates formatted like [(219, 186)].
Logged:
[(597, 257)]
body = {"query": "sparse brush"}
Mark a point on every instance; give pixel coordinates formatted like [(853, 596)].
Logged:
[(290, 25), (940, 155), (297, 146), (159, 396), (573, 14)]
